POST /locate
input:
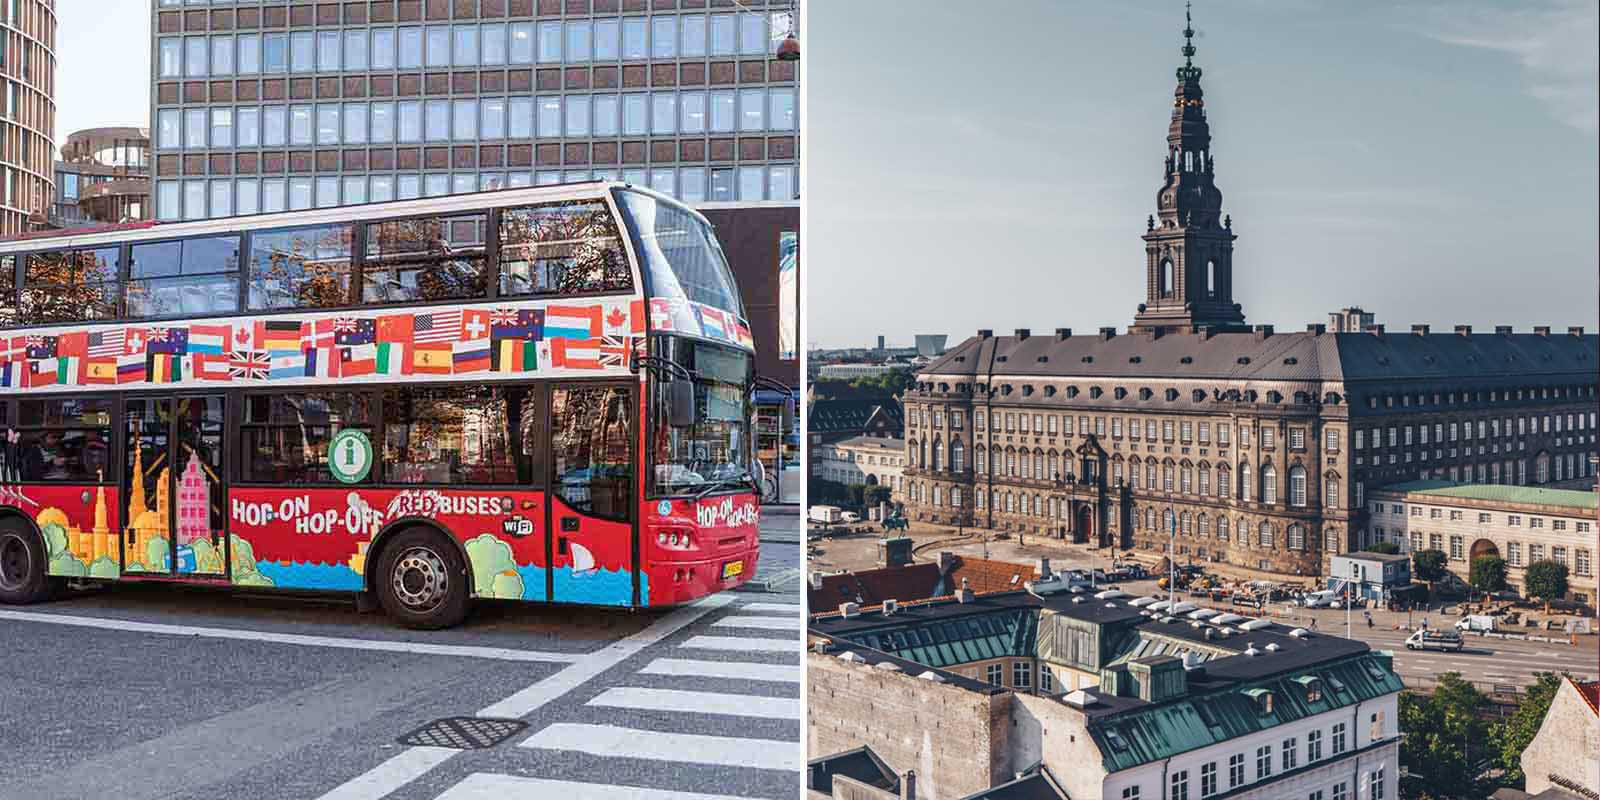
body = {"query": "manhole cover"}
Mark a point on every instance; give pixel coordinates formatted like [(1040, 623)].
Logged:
[(464, 733)]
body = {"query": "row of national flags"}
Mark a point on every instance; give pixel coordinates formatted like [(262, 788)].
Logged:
[(447, 341), (684, 316)]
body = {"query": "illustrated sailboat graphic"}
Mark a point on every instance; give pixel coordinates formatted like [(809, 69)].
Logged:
[(582, 561)]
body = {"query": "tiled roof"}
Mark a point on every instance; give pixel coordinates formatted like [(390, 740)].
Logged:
[(1524, 495), (873, 586), (987, 575)]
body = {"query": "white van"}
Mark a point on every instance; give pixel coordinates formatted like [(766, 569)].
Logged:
[(1429, 639)]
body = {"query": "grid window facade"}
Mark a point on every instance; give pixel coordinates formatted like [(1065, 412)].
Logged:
[(284, 108)]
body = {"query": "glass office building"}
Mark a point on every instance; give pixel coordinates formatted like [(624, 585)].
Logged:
[(260, 107)]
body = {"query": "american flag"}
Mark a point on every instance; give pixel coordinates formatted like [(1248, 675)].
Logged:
[(252, 365), (442, 326), (107, 344)]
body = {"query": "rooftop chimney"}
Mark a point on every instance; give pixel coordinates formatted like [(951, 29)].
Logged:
[(1263, 331), (1107, 333), (908, 785), (1023, 333), (1463, 330), (1502, 330), (984, 333), (947, 560), (1541, 330), (1044, 567), (964, 594), (1063, 333), (1575, 330), (1375, 330), (1419, 330), (1316, 329), (816, 580)]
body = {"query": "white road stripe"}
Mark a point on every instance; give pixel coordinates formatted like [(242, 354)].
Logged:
[(742, 644), (764, 623), (398, 771), (674, 700), (379, 645), (732, 670), (614, 742), (485, 786), (413, 762), (776, 608)]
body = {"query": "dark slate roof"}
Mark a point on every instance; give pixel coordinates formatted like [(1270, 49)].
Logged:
[(1302, 356), (849, 416), (892, 444), (1038, 786), (860, 763)]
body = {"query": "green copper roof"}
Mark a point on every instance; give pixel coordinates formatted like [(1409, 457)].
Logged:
[(961, 640), (1153, 732), (1500, 494)]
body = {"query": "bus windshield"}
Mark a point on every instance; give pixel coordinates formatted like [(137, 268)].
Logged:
[(679, 254), (715, 452)]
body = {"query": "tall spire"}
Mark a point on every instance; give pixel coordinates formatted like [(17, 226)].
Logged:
[(1188, 246)]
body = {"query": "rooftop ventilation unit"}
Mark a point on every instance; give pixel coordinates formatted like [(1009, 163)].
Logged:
[(887, 666), (1110, 594), (1273, 647), (1300, 633), (890, 606), (1255, 625), (1227, 618), (1079, 699), (849, 610), (851, 656), (935, 677), (1250, 650)]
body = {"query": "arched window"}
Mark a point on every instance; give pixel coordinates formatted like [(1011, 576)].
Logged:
[(999, 462), (1164, 277), (1296, 537), (1269, 484), (981, 460), (1297, 485), (1133, 474), (1040, 471), (938, 496), (1222, 529), (1205, 480), (1011, 502), (1150, 475), (938, 454), (1167, 520), (1224, 481), (1211, 278), (922, 455), (1246, 493), (911, 453), (1330, 492), (1186, 524), (958, 456), (1011, 462), (1264, 535), (1149, 517), (1202, 525), (1166, 478), (1186, 480)]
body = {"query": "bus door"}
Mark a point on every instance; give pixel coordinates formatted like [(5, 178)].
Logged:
[(593, 550), (173, 488)]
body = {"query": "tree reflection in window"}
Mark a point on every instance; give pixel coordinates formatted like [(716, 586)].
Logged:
[(300, 267), (8, 290), (459, 434), (589, 440), (562, 248), (70, 286), (286, 436), (192, 276), (429, 258)]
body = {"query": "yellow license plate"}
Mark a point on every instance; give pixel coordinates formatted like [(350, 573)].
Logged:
[(732, 569)]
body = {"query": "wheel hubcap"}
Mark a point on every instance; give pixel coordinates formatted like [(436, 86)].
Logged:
[(420, 579), (16, 563)]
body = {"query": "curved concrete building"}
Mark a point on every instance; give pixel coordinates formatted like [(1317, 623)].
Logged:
[(27, 112), (103, 177)]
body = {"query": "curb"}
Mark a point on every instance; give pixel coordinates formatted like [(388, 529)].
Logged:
[(779, 583)]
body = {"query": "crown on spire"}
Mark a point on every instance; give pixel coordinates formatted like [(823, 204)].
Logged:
[(1188, 72)]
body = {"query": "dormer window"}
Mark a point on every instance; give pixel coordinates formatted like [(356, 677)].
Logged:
[(1263, 700), (1312, 686)]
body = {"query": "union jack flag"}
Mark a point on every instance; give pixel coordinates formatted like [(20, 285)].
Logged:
[(157, 334), (614, 351), (250, 365), (505, 317)]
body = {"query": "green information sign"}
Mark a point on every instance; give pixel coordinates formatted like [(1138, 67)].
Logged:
[(350, 456)]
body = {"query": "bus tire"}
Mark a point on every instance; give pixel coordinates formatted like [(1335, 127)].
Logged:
[(422, 581), (24, 570)]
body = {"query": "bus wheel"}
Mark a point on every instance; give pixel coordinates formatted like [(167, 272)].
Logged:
[(422, 582), (23, 567)]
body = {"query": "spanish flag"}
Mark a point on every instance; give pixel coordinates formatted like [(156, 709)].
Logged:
[(432, 359), (100, 370)]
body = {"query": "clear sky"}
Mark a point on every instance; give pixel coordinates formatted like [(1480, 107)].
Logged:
[(1431, 162), (102, 64)]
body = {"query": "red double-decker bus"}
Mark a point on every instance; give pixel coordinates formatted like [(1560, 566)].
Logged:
[(540, 394)]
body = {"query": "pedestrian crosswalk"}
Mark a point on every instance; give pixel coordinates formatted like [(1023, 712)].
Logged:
[(714, 700)]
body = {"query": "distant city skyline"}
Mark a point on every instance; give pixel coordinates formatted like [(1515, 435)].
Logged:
[(1430, 163)]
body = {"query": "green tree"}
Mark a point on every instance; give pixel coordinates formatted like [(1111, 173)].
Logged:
[(1446, 748), (1387, 548), (1488, 574), (1545, 580), (877, 494), (1512, 735), (1428, 566)]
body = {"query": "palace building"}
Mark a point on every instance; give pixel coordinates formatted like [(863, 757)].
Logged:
[(1256, 445)]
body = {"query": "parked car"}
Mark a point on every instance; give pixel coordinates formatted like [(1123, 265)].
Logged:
[(850, 517), (827, 515), (1429, 639), (1477, 622)]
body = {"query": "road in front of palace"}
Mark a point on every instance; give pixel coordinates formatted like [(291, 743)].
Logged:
[(148, 692)]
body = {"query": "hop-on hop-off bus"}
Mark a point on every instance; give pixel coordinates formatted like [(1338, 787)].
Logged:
[(540, 394)]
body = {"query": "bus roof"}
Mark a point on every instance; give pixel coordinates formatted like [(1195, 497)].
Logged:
[(454, 203)]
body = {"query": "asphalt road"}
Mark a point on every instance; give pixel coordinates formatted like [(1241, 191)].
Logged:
[(152, 692)]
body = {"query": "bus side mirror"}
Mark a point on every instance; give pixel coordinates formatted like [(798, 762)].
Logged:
[(680, 402)]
